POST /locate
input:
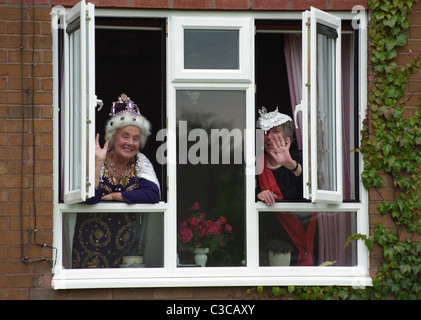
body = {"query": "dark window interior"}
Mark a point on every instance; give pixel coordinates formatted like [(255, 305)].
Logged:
[(132, 61), (271, 74)]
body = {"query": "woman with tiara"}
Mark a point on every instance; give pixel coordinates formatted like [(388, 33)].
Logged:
[(122, 173)]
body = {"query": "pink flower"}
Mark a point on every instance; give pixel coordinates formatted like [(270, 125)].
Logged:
[(215, 228), (228, 228), (195, 206), (185, 235), (203, 232), (194, 222)]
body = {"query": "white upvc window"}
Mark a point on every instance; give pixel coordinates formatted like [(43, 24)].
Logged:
[(210, 50), (321, 105), (79, 102), (209, 96)]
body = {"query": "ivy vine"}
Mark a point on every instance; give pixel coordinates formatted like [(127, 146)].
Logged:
[(394, 149)]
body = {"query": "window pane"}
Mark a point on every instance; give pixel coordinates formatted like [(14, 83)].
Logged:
[(326, 232), (326, 114), (112, 240), (75, 111), (210, 170), (211, 49)]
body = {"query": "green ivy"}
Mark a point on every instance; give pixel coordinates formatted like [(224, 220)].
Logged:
[(394, 148)]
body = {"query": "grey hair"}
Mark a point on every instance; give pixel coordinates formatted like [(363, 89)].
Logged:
[(289, 130), (124, 120)]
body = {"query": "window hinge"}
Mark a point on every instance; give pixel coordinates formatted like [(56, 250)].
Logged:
[(255, 88), (168, 183), (308, 84), (88, 18), (88, 121), (308, 22), (166, 28)]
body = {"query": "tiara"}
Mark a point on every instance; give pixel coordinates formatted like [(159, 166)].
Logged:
[(124, 104)]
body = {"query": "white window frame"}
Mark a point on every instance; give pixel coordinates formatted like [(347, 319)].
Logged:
[(84, 13), (169, 275), (309, 105), (193, 21)]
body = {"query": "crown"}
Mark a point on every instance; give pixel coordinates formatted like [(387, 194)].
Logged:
[(124, 104)]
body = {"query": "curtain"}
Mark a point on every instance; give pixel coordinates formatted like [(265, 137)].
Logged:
[(293, 53), (334, 228)]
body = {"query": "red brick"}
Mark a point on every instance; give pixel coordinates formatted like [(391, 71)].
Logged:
[(112, 3), (66, 3), (306, 4), (346, 4), (191, 4), (231, 4), (14, 294), (270, 4), (152, 4)]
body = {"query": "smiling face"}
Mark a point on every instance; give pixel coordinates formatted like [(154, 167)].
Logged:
[(126, 142), (268, 137)]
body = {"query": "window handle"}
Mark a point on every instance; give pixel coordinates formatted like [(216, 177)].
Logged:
[(100, 104), (297, 109)]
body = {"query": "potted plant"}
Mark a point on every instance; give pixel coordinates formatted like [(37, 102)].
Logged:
[(279, 252), (134, 261), (202, 236)]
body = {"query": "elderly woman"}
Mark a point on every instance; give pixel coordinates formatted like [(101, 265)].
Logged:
[(281, 178), (124, 174)]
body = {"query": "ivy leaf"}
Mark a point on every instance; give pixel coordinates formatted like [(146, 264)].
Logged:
[(388, 253), (401, 39), (406, 268)]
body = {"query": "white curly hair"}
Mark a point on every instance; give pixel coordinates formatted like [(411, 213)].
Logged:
[(130, 116)]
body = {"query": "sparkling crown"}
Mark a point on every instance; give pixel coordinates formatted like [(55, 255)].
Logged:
[(124, 104)]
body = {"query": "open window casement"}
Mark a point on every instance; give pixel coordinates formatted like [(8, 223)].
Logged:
[(321, 107), (79, 102)]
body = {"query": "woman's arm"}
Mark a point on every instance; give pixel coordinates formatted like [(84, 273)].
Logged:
[(148, 192)]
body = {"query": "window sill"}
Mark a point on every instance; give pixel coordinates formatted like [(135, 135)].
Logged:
[(110, 207), (210, 277)]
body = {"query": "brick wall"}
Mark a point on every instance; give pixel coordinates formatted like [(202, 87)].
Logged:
[(19, 191), (16, 277)]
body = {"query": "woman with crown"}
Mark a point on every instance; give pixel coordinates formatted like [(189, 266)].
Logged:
[(122, 173), (280, 179)]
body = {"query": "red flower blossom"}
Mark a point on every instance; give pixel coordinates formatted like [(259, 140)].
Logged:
[(185, 235), (197, 232)]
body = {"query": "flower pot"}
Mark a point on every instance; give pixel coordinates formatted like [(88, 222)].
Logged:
[(200, 256), (132, 260), (279, 259)]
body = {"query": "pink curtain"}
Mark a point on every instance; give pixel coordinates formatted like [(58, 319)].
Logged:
[(334, 228), (293, 53)]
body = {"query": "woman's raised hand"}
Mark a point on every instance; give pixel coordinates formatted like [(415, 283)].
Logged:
[(100, 153), (280, 152)]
